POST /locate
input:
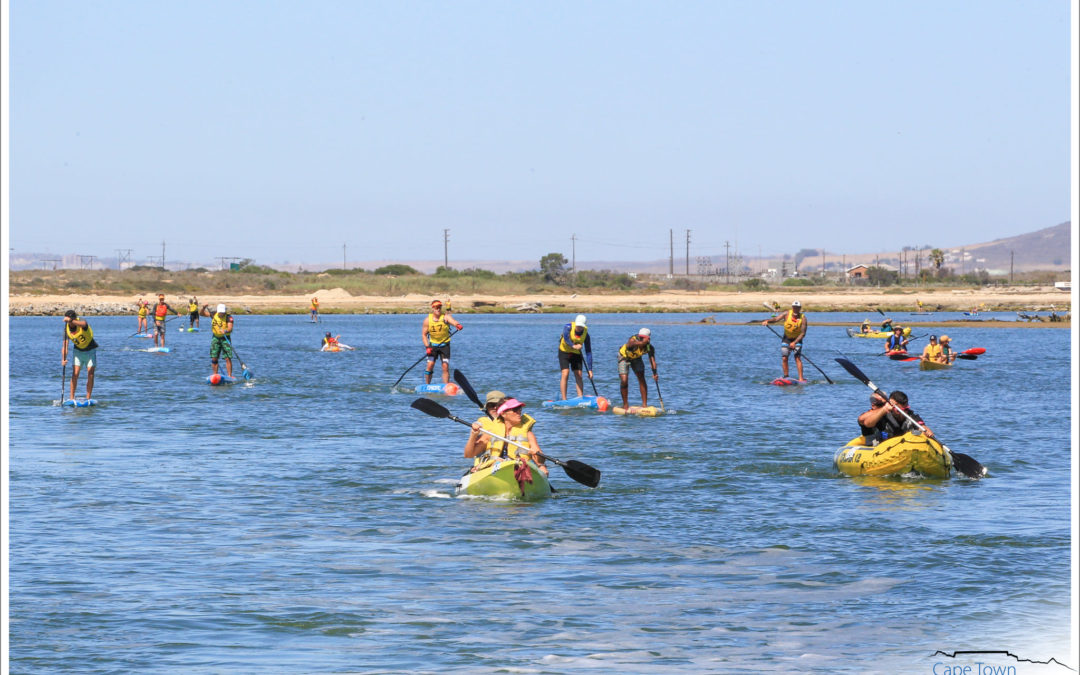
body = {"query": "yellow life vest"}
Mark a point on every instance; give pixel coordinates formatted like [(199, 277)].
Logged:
[(438, 330), (143, 311), (82, 338), (631, 354), (218, 324), (564, 347), (932, 352), (793, 326), (193, 307), (519, 434), (314, 303)]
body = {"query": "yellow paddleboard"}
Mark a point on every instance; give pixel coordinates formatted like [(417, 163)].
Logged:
[(647, 411)]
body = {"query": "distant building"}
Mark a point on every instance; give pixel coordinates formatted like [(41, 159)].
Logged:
[(858, 272)]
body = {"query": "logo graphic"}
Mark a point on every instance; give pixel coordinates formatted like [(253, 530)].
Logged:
[(1002, 653)]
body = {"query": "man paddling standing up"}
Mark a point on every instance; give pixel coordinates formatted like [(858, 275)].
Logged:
[(573, 341), (794, 332), (161, 312), (82, 338), (435, 333), (631, 357), (221, 327)]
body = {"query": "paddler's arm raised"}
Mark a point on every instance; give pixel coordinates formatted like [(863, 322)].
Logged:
[(477, 443)]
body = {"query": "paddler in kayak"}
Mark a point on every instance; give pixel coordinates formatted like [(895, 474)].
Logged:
[(221, 328), (932, 351), (574, 339), (161, 312), (479, 442), (887, 324), (435, 333), (329, 343), (947, 353), (144, 311), (631, 358), (510, 422), (896, 341), (794, 331), (81, 336), (883, 420)]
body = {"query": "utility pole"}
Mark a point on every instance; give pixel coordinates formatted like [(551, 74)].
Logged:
[(446, 248), (1011, 254), (162, 254), (727, 262), (573, 253), (671, 254), (123, 255), (688, 253), (822, 263), (343, 245)]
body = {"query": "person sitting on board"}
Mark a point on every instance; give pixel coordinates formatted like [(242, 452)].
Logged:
[(314, 309), (161, 311), (947, 353), (144, 310), (82, 339), (866, 326), (513, 424), (897, 342), (435, 334), (631, 358), (329, 343), (887, 324), (193, 313), (574, 339), (795, 323), (478, 443), (221, 328), (884, 420), (932, 351)]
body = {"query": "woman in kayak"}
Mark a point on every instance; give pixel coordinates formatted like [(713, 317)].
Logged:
[(896, 341), (479, 443)]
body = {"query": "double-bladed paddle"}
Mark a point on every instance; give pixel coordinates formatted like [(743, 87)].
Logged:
[(963, 463), (827, 378), (578, 471)]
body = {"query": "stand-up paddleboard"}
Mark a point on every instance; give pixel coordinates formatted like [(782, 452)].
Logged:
[(444, 388), (188, 330), (787, 382), (143, 335), (219, 379), (592, 402), (85, 403), (159, 350), (641, 411)]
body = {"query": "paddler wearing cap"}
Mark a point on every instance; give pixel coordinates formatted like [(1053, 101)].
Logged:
[(435, 333), (947, 353), (574, 339), (329, 341), (794, 331), (80, 334), (161, 311), (479, 443), (631, 358), (510, 422), (221, 327), (932, 351)]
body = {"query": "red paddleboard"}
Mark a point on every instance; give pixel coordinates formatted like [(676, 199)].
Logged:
[(787, 382)]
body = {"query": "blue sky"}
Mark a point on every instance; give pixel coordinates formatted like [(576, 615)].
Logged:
[(281, 130)]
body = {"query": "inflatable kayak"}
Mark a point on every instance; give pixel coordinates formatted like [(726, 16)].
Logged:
[(217, 379), (593, 402), (506, 478), (934, 365), (85, 403), (875, 334), (641, 411), (910, 453), (444, 388)]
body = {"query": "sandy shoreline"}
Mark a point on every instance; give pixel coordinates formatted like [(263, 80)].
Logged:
[(340, 301)]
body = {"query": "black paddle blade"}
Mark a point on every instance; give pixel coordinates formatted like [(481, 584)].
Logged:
[(969, 357), (582, 473), (853, 370), (968, 466), (463, 382), (426, 405)]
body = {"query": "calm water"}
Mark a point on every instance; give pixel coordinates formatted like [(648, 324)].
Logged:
[(305, 522)]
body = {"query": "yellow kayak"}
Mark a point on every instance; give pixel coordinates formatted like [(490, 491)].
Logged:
[(506, 478), (910, 453), (641, 411), (876, 334), (934, 365)]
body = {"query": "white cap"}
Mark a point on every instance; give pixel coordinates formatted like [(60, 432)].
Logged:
[(221, 309), (644, 332), (796, 303), (579, 320)]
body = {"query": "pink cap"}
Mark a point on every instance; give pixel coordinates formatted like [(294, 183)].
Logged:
[(509, 404)]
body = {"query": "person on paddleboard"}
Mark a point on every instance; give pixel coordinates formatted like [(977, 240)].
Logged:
[(144, 311), (932, 351), (631, 357), (314, 309), (896, 341), (221, 328), (435, 334), (794, 331), (193, 313), (81, 336), (884, 420), (162, 310), (574, 342)]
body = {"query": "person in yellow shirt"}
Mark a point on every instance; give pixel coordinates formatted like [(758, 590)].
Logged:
[(144, 311), (314, 309), (932, 351), (79, 333), (631, 357), (435, 334), (794, 331)]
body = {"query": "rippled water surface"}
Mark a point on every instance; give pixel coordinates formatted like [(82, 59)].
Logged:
[(306, 521)]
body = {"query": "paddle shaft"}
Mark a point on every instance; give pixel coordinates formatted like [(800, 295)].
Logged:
[(243, 366), (63, 378), (513, 443), (827, 378), (657, 381)]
